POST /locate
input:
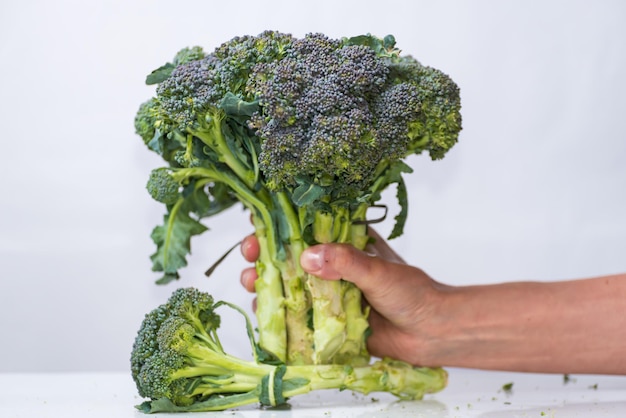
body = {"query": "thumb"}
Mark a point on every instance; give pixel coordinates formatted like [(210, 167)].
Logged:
[(344, 261)]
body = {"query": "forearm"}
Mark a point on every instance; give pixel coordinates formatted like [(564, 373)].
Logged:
[(559, 327)]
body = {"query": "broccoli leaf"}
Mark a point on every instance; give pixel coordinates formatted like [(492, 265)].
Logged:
[(213, 403), (307, 193), (272, 387), (173, 240), (401, 194), (382, 47), (160, 74), (208, 200), (237, 137), (392, 175), (235, 106)]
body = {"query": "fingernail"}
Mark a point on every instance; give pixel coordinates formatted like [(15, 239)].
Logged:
[(311, 260), (245, 245), (243, 279)]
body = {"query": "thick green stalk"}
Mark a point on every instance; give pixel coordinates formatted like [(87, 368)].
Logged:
[(386, 375), (329, 317), (300, 346), (339, 320), (283, 269), (354, 349), (270, 310)]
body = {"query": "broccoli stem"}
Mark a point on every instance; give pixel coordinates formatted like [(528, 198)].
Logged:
[(254, 383), (339, 321), (329, 318), (270, 311), (170, 225), (213, 136), (300, 346), (283, 269), (386, 375)]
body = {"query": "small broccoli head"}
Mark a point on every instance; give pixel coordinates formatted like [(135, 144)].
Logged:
[(161, 360), (176, 335), (396, 109), (238, 57), (196, 307), (156, 129), (146, 345), (155, 380), (146, 120), (196, 86), (162, 186), (436, 128), (188, 92)]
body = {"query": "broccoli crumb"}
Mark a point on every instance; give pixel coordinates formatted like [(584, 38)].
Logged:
[(507, 388), (568, 379)]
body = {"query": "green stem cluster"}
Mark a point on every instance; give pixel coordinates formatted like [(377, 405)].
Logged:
[(325, 322), (247, 382)]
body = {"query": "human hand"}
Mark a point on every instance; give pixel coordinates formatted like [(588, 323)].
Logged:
[(402, 297)]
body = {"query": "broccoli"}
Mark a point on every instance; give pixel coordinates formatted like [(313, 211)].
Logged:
[(179, 363), (162, 186), (306, 133)]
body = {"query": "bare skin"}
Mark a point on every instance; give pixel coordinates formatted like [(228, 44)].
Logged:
[(575, 326)]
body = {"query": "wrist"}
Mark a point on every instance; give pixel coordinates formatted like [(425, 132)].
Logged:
[(481, 326), (431, 335)]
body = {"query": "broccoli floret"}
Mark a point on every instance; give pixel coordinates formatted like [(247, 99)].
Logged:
[(437, 127), (162, 186), (145, 120), (306, 133), (197, 87), (158, 132), (178, 362)]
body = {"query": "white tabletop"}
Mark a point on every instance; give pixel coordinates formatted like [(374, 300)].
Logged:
[(470, 393)]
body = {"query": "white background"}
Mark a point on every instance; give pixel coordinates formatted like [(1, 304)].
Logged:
[(535, 189)]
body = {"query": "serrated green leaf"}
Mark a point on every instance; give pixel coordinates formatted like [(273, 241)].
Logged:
[(401, 194), (173, 241)]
